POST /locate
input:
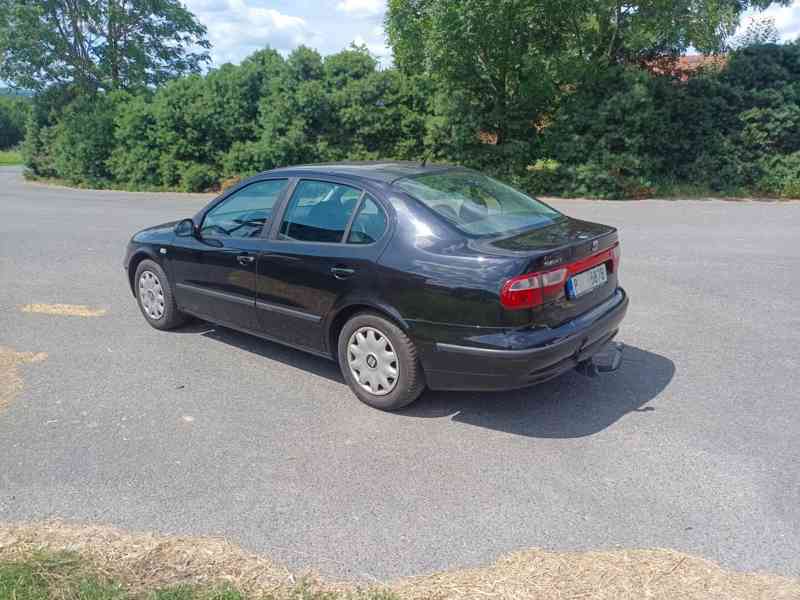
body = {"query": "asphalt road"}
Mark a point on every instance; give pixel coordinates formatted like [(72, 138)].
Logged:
[(693, 445)]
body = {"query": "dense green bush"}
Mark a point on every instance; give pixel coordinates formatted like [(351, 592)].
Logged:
[(197, 177), (38, 147), (134, 160), (628, 133), (780, 175), (84, 139), (13, 117), (619, 132), (194, 132)]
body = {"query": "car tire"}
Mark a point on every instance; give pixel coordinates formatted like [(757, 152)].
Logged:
[(154, 296), (379, 362)]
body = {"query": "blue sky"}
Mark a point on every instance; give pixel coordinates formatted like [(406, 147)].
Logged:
[(238, 27)]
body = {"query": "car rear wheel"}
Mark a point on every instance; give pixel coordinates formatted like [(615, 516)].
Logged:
[(379, 362), (155, 298)]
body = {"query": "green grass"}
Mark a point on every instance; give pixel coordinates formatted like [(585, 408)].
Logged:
[(10, 157), (683, 190), (66, 576)]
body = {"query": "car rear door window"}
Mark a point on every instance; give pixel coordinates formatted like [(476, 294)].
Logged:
[(369, 224), (245, 212), (319, 211)]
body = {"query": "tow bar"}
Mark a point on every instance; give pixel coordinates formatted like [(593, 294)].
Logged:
[(603, 362)]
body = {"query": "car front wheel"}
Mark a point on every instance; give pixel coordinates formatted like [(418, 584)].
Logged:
[(379, 362), (155, 298)]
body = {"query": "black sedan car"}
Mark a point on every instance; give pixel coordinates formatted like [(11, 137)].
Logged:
[(410, 276)]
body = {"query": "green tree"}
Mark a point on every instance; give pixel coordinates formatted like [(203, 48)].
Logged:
[(295, 117), (493, 58), (13, 117), (502, 71), (98, 45), (616, 31), (758, 32), (84, 139), (505, 61), (135, 158)]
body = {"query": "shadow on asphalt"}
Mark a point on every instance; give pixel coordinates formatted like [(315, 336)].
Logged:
[(567, 407), (271, 350)]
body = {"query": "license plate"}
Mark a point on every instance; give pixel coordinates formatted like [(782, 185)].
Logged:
[(585, 282)]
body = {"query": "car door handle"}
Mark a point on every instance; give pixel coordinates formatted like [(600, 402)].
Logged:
[(245, 259), (342, 272)]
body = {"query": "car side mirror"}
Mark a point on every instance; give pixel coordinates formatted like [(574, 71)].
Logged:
[(186, 228)]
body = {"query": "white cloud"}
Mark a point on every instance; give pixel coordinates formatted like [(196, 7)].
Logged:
[(237, 28), (376, 46), (787, 19), (362, 7)]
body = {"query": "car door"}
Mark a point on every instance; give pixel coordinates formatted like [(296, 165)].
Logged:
[(324, 248), (215, 269)]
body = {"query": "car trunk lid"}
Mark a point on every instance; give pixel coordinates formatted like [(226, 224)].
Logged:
[(567, 244)]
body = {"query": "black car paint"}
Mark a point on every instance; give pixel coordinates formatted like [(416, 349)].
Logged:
[(439, 285)]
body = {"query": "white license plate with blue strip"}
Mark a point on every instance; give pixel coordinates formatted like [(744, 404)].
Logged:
[(585, 282)]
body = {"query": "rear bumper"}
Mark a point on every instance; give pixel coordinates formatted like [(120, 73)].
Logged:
[(523, 358)]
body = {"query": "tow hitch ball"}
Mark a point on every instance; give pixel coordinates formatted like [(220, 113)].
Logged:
[(607, 360)]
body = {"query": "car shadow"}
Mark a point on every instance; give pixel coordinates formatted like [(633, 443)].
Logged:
[(270, 350), (569, 406)]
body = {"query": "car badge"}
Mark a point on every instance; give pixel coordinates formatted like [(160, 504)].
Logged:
[(595, 245), (551, 260)]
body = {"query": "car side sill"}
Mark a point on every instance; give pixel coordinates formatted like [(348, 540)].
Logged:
[(250, 302), (290, 312), (258, 334), (216, 294)]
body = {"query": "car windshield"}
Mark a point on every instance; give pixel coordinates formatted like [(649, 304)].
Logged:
[(477, 204)]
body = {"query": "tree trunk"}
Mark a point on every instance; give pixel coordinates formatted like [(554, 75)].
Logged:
[(113, 43)]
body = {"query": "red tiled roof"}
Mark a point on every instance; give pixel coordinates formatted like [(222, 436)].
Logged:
[(682, 67)]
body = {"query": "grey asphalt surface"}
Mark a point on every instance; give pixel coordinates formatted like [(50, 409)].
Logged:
[(693, 445)]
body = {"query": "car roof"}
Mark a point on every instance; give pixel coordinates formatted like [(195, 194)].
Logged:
[(381, 171)]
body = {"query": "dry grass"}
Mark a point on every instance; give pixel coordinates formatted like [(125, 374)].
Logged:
[(147, 561), (69, 310), (11, 382), (611, 575)]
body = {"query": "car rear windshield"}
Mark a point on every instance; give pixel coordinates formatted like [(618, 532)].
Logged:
[(477, 204)]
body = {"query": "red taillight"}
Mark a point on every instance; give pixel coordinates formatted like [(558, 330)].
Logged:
[(531, 289)]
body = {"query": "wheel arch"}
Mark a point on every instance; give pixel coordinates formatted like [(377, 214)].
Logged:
[(137, 257), (344, 313)]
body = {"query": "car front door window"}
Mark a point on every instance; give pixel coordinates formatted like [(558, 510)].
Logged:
[(245, 213)]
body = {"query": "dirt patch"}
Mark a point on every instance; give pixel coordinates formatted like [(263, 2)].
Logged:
[(11, 382), (68, 310), (147, 560)]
